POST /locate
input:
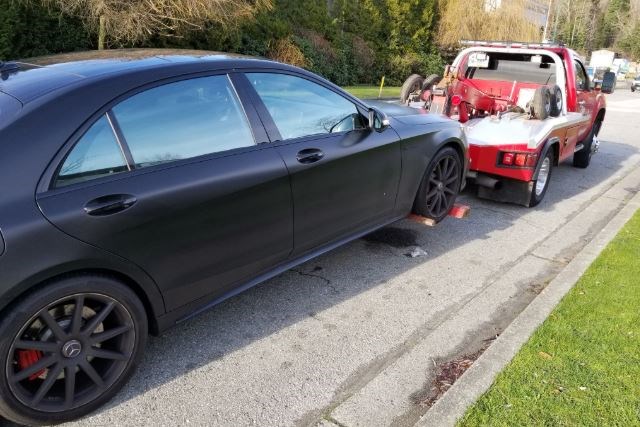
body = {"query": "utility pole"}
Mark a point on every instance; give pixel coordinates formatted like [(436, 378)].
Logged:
[(546, 24)]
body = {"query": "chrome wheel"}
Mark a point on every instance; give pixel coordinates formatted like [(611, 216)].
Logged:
[(543, 176), (70, 353)]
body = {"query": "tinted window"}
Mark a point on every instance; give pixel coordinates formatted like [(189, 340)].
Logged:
[(9, 107), (183, 120), (97, 154), (300, 107)]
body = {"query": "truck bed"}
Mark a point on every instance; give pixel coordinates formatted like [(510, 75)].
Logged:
[(516, 129)]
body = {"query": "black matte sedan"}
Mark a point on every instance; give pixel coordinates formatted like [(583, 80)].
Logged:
[(140, 188)]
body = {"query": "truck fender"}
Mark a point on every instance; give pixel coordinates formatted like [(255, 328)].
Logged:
[(549, 145)]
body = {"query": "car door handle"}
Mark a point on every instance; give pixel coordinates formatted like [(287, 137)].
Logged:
[(108, 205), (309, 155)]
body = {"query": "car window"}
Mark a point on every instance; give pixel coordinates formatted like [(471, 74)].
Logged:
[(9, 107), (582, 82), (300, 107), (182, 120), (96, 154), (539, 69)]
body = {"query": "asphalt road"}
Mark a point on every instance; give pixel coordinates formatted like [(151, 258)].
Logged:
[(352, 337)]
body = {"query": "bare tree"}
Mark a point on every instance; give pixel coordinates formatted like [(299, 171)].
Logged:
[(472, 19), (118, 21)]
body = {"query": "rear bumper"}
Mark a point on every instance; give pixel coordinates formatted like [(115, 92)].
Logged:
[(484, 160)]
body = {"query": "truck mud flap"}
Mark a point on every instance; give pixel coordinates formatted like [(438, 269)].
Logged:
[(511, 191)]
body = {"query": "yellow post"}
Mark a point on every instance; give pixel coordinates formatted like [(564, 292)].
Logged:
[(381, 86)]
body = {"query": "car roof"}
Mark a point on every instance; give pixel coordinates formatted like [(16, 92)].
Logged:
[(35, 77)]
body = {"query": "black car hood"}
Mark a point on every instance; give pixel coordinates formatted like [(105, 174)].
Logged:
[(408, 115)]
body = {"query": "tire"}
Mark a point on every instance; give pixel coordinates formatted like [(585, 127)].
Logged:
[(633, 88), (541, 103), (412, 84), (582, 158), (541, 183), (556, 101), (440, 185), (98, 346), (431, 80)]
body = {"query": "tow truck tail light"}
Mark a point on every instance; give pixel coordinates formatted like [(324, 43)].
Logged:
[(521, 160), (507, 159)]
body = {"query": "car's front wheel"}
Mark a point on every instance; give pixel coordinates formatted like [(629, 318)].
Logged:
[(68, 348), (440, 185)]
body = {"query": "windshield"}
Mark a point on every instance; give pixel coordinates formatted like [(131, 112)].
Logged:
[(499, 66), (9, 107)]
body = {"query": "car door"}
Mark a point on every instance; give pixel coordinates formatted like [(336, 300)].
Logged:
[(172, 179), (344, 176), (585, 97)]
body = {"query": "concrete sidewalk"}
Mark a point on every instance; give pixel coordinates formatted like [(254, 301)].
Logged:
[(479, 377)]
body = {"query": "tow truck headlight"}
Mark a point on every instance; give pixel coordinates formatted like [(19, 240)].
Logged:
[(520, 160)]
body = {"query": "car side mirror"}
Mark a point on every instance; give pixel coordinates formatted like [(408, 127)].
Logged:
[(378, 121)]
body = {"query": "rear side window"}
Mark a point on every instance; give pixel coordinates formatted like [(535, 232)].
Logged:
[(300, 107), (182, 120), (97, 154), (9, 107)]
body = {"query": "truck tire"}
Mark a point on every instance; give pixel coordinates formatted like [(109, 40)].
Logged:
[(412, 84), (440, 185), (556, 101), (582, 158), (541, 103), (428, 83), (541, 183)]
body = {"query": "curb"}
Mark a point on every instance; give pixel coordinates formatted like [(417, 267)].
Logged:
[(481, 375)]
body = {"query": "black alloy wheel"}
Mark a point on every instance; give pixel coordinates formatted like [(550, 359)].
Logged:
[(71, 354), (440, 186)]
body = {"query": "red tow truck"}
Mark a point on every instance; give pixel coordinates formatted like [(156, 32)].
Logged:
[(524, 107)]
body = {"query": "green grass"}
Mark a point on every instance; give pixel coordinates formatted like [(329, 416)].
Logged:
[(370, 92), (582, 366)]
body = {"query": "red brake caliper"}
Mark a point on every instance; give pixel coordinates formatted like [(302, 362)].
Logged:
[(27, 358)]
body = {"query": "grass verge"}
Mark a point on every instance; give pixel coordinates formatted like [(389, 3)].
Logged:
[(582, 366), (371, 92)]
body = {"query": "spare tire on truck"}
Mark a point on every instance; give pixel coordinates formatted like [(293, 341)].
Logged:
[(412, 84), (541, 104), (556, 101), (431, 80)]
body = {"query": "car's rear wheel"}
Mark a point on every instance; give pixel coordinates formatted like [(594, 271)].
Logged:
[(440, 185), (541, 183), (68, 348)]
